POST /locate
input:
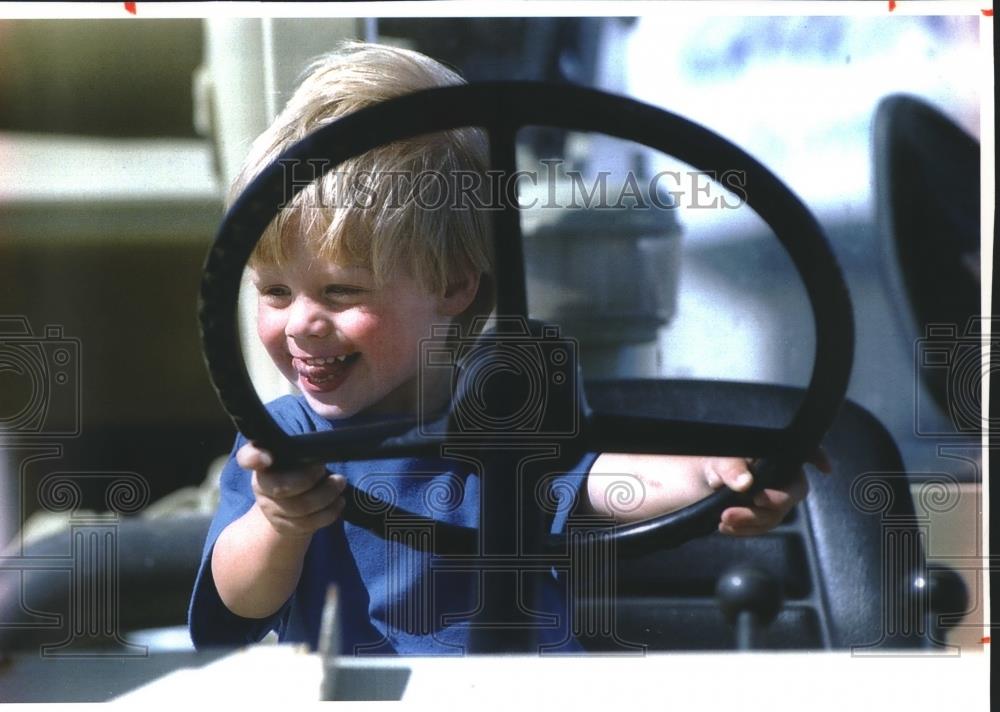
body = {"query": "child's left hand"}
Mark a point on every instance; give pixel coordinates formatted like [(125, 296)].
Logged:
[(770, 506)]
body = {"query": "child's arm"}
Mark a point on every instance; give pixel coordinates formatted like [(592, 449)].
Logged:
[(631, 488), (257, 560)]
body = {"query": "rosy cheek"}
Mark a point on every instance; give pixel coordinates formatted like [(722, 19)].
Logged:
[(266, 332), (271, 332), (358, 326)]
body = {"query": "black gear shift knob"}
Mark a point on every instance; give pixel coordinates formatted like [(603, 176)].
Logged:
[(947, 600), (947, 592), (750, 599)]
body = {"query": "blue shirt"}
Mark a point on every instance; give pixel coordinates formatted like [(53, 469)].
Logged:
[(394, 595)]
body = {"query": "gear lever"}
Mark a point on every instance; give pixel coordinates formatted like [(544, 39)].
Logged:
[(750, 600)]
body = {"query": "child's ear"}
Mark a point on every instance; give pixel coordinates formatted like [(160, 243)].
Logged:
[(460, 292)]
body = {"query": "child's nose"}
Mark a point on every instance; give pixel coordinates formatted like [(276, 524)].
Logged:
[(306, 318)]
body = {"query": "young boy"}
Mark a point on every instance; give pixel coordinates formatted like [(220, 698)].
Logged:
[(346, 293)]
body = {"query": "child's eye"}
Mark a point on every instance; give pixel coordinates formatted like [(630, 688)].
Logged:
[(341, 291), (274, 292)]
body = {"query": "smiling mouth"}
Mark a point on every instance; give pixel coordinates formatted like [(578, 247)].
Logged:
[(324, 373)]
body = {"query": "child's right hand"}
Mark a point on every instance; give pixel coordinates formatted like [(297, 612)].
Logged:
[(295, 502)]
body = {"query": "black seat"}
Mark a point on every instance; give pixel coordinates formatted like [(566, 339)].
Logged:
[(926, 171)]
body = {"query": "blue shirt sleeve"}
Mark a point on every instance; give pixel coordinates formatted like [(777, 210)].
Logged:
[(210, 622), (568, 491)]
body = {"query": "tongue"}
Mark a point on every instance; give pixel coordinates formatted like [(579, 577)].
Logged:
[(327, 374), (321, 373)]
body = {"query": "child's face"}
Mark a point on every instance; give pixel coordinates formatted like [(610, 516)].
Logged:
[(347, 345)]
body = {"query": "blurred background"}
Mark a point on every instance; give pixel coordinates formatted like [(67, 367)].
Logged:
[(118, 138)]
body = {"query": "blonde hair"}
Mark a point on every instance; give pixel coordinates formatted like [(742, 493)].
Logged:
[(385, 231)]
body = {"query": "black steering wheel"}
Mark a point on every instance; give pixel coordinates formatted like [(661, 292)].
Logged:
[(501, 109)]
